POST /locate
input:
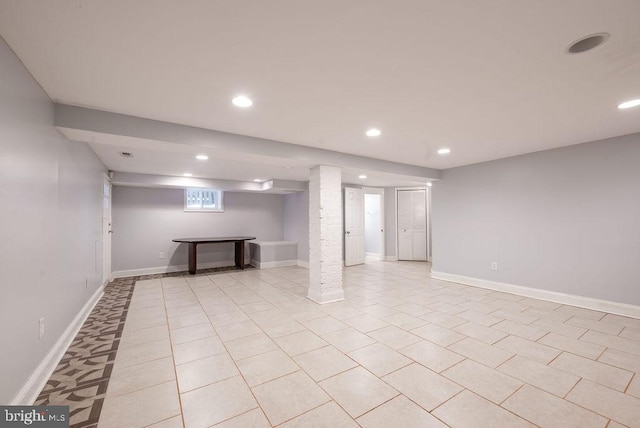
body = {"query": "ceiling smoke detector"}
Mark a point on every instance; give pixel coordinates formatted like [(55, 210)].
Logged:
[(587, 43), (126, 154)]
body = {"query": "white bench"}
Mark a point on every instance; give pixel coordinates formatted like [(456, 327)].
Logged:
[(269, 254)]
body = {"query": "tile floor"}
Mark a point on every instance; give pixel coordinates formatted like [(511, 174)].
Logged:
[(247, 349), (82, 376)]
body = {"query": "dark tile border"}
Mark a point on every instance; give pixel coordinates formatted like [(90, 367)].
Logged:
[(82, 376)]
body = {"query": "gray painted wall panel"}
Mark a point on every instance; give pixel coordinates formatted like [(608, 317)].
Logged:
[(296, 222), (565, 220), (51, 192), (390, 231), (145, 220)]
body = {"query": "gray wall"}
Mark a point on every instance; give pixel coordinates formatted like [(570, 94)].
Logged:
[(296, 222), (145, 220), (51, 193), (566, 220), (390, 221)]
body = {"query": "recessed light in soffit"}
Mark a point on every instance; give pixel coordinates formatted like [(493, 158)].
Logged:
[(587, 43)]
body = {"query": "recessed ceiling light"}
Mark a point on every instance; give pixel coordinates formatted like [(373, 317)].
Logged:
[(187, 174), (629, 104), (587, 43), (202, 157), (373, 132), (257, 180), (429, 184), (362, 176), (444, 151), (242, 101)]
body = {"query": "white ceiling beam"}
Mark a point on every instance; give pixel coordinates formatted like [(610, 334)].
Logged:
[(73, 117)]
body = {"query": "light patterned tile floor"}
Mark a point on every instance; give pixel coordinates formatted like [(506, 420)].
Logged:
[(243, 349)]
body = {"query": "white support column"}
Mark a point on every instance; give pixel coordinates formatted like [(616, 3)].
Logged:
[(325, 234)]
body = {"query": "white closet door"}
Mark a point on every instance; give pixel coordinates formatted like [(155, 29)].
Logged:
[(353, 226), (412, 225)]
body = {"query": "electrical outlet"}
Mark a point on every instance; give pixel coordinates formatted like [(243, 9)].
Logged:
[(494, 265), (162, 254), (40, 328)]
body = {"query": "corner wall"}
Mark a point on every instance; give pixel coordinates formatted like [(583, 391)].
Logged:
[(296, 222), (390, 232), (51, 212), (563, 220)]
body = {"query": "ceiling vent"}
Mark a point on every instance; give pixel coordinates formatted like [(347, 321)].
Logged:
[(587, 43), (126, 154)]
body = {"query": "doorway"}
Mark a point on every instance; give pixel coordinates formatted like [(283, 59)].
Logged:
[(374, 224)]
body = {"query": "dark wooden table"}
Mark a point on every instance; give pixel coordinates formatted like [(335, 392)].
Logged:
[(193, 243)]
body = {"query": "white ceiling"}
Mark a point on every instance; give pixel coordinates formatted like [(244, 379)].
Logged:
[(489, 79)]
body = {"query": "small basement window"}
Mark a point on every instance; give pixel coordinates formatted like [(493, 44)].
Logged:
[(203, 200)]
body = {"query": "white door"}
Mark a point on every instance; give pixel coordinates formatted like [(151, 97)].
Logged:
[(412, 225), (353, 226), (106, 231)]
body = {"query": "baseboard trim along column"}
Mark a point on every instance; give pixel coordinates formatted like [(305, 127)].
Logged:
[(326, 297), (551, 296), (31, 389)]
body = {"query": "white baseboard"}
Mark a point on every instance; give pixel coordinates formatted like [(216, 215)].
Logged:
[(273, 243), (372, 257), (390, 259), (303, 263), (31, 389), (168, 269), (551, 296), (279, 263), (323, 298)]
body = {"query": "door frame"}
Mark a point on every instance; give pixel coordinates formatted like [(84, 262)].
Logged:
[(107, 270), (377, 191), (427, 201)]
